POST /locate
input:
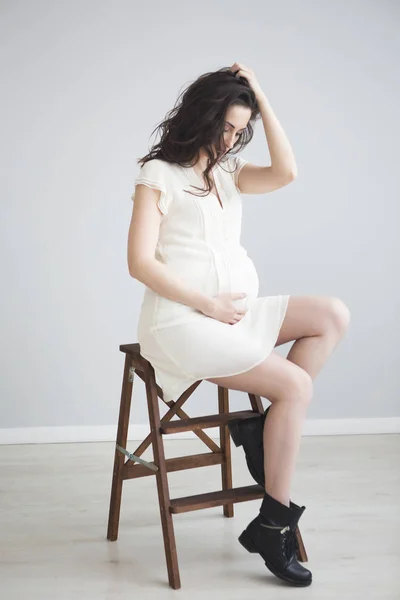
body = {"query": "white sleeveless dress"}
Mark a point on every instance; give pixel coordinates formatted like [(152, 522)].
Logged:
[(199, 242)]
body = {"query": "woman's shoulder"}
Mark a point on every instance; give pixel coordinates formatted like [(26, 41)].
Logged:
[(234, 162), (154, 164), (162, 168)]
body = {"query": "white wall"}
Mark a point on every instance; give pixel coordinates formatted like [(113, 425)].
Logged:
[(84, 85)]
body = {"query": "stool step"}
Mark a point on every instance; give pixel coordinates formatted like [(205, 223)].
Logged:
[(206, 421), (179, 463), (210, 499)]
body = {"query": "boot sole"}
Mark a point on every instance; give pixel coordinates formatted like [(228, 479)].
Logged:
[(235, 432), (248, 543), (236, 436), (234, 429)]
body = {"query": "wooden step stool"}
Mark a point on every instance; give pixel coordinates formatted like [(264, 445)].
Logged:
[(137, 467)]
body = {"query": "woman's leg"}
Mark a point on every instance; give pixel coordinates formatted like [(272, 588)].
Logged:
[(289, 388), (317, 323)]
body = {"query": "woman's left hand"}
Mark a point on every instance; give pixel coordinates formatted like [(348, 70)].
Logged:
[(241, 70)]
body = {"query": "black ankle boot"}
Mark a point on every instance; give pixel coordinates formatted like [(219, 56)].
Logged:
[(272, 535), (249, 433)]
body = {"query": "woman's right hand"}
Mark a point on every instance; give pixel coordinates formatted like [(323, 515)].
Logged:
[(223, 309)]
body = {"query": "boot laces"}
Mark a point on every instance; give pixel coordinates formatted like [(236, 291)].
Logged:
[(290, 544)]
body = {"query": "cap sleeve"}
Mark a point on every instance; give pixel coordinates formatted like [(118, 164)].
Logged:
[(238, 163), (153, 174), (235, 164)]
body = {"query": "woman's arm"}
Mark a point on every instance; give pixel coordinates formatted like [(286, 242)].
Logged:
[(254, 179), (156, 276), (142, 264)]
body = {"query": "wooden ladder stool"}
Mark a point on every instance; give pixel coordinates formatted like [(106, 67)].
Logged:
[(135, 466)]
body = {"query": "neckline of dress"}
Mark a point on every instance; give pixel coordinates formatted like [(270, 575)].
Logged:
[(213, 171)]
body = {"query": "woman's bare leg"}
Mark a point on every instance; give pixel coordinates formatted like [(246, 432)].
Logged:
[(289, 388), (317, 323)]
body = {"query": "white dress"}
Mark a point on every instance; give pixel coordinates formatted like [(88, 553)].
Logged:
[(199, 242)]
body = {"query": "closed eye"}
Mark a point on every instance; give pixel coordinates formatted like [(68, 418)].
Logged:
[(238, 134), (232, 127)]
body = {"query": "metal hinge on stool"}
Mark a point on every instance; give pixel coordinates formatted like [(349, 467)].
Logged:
[(135, 458)]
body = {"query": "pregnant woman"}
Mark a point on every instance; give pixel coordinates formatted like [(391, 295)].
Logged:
[(201, 316)]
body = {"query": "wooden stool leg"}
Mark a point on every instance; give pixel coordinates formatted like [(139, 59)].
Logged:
[(225, 440), (256, 403), (162, 480), (119, 459)]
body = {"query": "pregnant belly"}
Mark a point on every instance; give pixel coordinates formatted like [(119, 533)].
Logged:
[(198, 274), (234, 273), (244, 278), (212, 274)]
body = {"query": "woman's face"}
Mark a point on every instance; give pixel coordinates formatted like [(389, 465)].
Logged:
[(236, 120)]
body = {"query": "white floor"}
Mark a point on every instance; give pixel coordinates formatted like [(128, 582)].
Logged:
[(54, 510)]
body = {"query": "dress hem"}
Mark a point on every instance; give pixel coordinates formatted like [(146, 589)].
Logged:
[(176, 394)]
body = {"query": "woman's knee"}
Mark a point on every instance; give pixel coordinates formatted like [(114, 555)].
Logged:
[(339, 315), (297, 387)]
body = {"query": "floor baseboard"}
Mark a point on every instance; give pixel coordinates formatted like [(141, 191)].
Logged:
[(107, 433)]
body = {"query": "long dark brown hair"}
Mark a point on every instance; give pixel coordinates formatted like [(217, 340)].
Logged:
[(198, 120)]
